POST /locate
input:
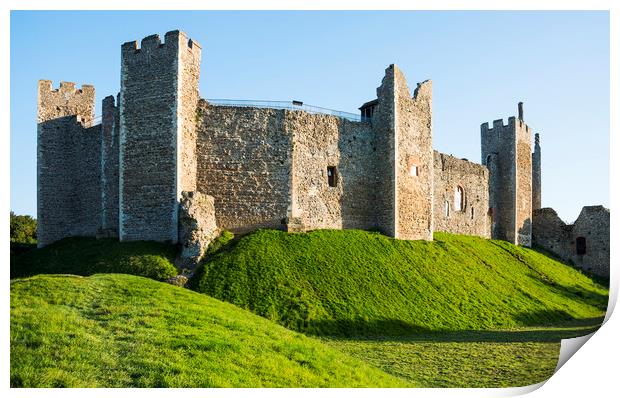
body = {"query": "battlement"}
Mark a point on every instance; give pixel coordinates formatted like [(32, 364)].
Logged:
[(65, 88), (153, 43), (498, 125)]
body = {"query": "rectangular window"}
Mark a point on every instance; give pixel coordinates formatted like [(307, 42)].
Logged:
[(332, 177)]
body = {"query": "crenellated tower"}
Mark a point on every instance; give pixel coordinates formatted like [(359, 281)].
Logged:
[(157, 160), (68, 193), (506, 151)]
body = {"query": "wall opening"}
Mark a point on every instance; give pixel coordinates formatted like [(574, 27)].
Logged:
[(580, 244), (472, 213), (332, 176), (489, 160), (459, 199), (446, 208), (413, 170)]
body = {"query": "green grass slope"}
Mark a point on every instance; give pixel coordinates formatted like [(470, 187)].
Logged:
[(126, 331), (88, 256), (353, 282)]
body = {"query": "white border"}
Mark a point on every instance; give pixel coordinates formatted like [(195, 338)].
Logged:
[(592, 372)]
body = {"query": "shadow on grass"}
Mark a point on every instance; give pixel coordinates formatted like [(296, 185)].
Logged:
[(411, 333)]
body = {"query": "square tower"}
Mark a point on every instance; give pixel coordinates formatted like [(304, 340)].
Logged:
[(507, 152), (157, 161)]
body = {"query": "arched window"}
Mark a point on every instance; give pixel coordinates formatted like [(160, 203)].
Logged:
[(459, 199), (580, 244), (446, 208)]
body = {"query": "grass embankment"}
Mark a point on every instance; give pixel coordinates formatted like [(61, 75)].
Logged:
[(88, 256), (355, 283), (127, 331)]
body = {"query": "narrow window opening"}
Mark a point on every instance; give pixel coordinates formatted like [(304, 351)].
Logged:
[(472, 213), (488, 160), (413, 170), (332, 177), (459, 199), (581, 245), (446, 208)]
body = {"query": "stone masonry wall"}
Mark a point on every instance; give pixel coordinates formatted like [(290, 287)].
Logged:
[(523, 178), (450, 173), (109, 167), (414, 193), (536, 175), (593, 225), (66, 180), (384, 123), (157, 102), (552, 234), (322, 141), (498, 146), (244, 162)]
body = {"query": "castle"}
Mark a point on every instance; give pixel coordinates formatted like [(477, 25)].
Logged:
[(165, 165)]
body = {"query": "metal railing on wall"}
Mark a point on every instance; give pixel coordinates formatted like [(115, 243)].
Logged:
[(288, 105)]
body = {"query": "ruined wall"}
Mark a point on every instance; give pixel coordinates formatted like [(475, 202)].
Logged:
[(450, 173), (157, 102), (593, 225), (552, 234), (322, 141), (402, 127), (244, 162), (383, 124), (68, 162), (414, 195), (109, 167)]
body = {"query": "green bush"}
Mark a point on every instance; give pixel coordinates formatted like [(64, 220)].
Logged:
[(23, 229), (88, 256), (220, 242)]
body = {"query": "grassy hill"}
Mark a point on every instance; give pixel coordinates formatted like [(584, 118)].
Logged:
[(88, 256), (351, 282), (127, 331)]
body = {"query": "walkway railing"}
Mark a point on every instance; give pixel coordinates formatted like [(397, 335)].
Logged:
[(289, 105)]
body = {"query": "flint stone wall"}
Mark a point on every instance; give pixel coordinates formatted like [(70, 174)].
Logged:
[(197, 226), (450, 173), (68, 163), (552, 234), (322, 141), (244, 162)]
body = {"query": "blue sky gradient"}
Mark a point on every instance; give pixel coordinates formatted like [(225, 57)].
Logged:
[(481, 64)]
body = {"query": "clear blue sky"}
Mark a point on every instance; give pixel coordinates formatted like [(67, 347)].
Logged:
[(481, 64)]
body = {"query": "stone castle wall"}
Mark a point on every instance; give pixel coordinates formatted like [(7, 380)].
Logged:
[(109, 166), (267, 167), (592, 225), (473, 218), (322, 141), (523, 184), (244, 162)]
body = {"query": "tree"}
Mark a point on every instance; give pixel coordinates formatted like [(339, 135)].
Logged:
[(23, 229)]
